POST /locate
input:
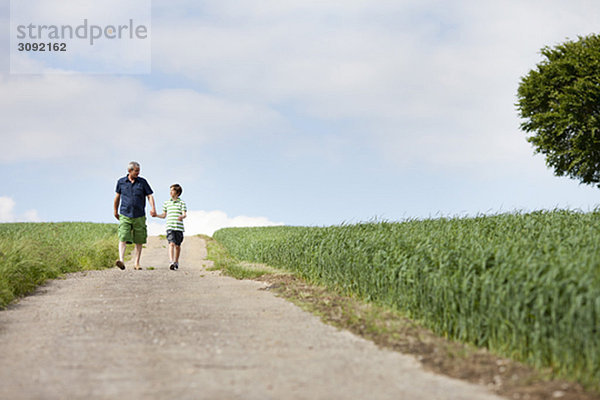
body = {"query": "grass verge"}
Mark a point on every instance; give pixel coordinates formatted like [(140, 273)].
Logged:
[(31, 253), (392, 330), (234, 267)]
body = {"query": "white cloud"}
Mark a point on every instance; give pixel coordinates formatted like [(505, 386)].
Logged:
[(7, 206), (49, 117), (425, 82), (429, 82), (7, 212), (207, 222), (31, 216)]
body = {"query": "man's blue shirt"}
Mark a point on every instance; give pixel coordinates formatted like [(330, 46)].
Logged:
[(133, 196)]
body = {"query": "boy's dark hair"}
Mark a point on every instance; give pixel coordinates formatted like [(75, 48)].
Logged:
[(177, 188)]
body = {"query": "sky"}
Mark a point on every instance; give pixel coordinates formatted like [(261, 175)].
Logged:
[(307, 112)]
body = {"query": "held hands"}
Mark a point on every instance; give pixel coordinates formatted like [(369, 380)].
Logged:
[(153, 213)]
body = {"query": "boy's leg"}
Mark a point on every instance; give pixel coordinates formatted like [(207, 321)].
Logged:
[(178, 241), (177, 253), (173, 256), (171, 252)]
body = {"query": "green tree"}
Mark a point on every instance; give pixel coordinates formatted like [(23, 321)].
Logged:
[(559, 101)]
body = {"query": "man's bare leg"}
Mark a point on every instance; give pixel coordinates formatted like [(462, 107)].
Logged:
[(122, 247), (138, 255), (121, 261)]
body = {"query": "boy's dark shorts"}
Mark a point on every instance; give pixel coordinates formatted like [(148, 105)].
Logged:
[(175, 237)]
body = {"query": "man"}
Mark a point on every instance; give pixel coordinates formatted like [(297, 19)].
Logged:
[(132, 191)]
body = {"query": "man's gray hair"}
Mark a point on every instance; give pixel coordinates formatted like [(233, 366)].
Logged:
[(133, 165)]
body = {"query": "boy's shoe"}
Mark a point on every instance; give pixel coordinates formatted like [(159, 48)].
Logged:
[(176, 265), (120, 264), (173, 267)]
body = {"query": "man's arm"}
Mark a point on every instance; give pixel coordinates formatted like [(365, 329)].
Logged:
[(153, 210), (116, 205)]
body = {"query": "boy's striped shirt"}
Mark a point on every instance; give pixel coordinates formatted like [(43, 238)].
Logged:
[(174, 209)]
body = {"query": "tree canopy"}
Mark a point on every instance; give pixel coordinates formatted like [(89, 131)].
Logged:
[(559, 101)]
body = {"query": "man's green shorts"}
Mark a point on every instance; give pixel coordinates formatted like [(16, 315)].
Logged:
[(132, 230)]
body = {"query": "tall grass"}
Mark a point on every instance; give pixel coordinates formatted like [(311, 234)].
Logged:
[(524, 285), (31, 253)]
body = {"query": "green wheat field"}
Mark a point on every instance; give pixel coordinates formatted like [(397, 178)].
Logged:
[(525, 285)]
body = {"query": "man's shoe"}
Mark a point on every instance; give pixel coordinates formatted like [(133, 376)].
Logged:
[(120, 264), (173, 266)]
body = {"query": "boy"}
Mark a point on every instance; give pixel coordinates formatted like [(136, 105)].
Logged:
[(175, 211)]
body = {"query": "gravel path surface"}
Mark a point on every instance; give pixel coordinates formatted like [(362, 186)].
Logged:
[(192, 334)]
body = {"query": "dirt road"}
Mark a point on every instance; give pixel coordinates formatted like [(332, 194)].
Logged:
[(192, 334)]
